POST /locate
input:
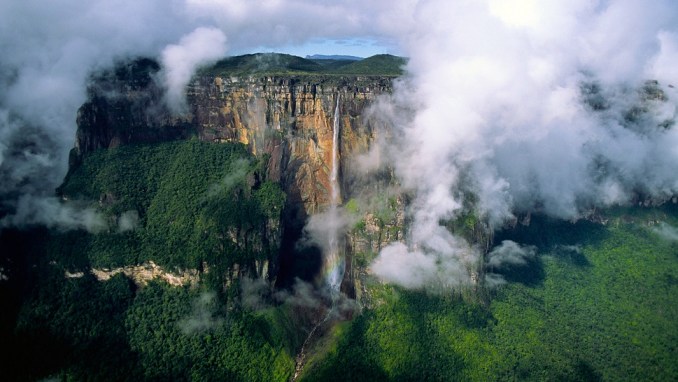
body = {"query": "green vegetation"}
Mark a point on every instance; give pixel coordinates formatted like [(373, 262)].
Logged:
[(177, 336), (600, 302), (193, 204), (191, 198), (332, 64), (285, 64), (265, 63), (83, 329), (605, 309)]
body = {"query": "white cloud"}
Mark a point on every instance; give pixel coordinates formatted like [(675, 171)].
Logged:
[(666, 231), (50, 212), (491, 96), (179, 61), (499, 112), (510, 253)]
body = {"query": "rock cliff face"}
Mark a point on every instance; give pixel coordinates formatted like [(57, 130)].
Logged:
[(290, 119), (125, 106), (287, 120)]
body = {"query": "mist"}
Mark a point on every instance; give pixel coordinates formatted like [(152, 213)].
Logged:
[(51, 49), (200, 47), (529, 106)]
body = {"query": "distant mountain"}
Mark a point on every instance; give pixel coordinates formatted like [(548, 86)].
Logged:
[(265, 63), (333, 57), (277, 63), (384, 64)]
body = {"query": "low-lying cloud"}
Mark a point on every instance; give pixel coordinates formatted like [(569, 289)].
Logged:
[(510, 253), (666, 231), (50, 50), (204, 315), (531, 107), (200, 47), (52, 213)]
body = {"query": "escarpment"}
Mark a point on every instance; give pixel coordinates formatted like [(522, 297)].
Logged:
[(290, 120), (285, 120)]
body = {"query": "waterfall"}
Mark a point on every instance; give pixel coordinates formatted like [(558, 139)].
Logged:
[(333, 266), (334, 262), (334, 184)]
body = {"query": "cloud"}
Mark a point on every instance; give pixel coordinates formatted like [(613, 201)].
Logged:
[(303, 295), (128, 221), (237, 173), (662, 66), (510, 253), (254, 293), (666, 231), (50, 50), (203, 317), (443, 262), (179, 61), (52, 213), (396, 264), (532, 107), (321, 226), (507, 254)]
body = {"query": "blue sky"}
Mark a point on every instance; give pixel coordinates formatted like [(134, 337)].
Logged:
[(361, 47)]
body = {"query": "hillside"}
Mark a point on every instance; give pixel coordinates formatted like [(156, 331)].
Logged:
[(281, 64)]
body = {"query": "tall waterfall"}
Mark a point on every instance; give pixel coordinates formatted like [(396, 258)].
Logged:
[(333, 265), (334, 261), (335, 158)]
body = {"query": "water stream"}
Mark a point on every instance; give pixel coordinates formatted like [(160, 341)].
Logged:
[(333, 265), (334, 262)]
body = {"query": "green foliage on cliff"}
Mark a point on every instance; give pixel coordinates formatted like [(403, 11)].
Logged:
[(196, 202), (600, 304), (265, 63), (182, 334), (179, 204), (84, 329)]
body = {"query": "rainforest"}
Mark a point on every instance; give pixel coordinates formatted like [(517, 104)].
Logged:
[(491, 195)]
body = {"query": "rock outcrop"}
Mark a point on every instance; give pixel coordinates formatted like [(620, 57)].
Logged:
[(143, 273)]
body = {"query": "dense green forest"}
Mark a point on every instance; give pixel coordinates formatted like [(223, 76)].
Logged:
[(600, 301), (276, 63), (175, 204), (188, 197)]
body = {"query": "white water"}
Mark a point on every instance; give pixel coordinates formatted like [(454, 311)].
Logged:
[(334, 264), (335, 158)]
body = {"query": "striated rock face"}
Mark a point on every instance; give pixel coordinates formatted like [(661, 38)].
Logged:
[(125, 106), (288, 120), (291, 120), (143, 273)]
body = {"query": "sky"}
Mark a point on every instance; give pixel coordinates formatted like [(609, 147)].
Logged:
[(358, 47), (493, 103)]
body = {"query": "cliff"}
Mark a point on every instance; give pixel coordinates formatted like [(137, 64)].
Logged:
[(286, 120), (290, 119)]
